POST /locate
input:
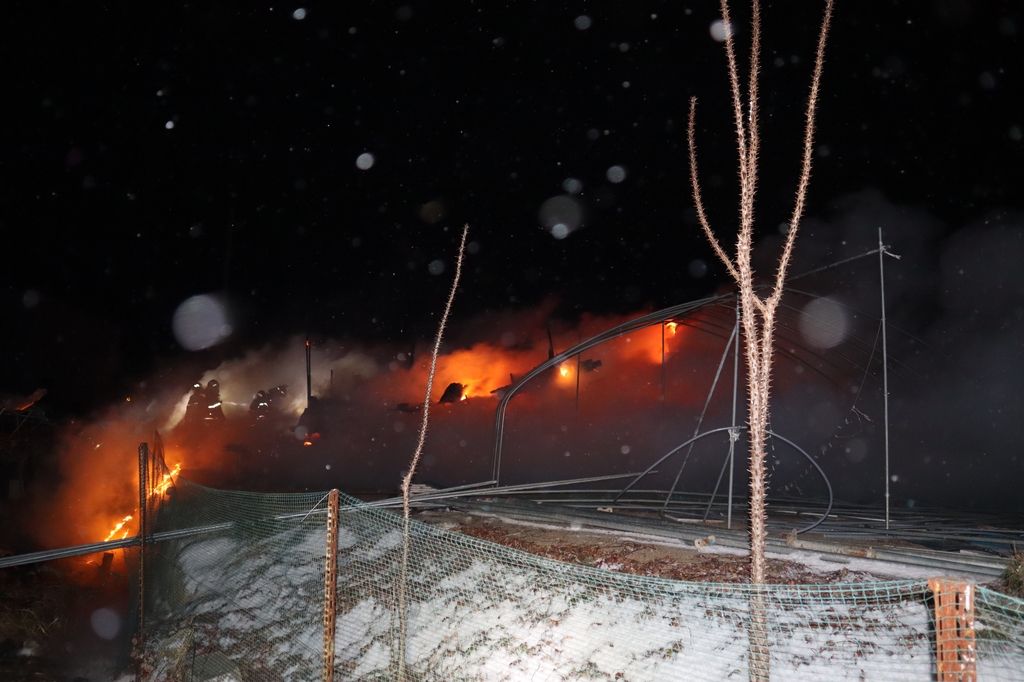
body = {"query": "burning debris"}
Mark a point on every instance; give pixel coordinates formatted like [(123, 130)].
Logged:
[(18, 403), (453, 394)]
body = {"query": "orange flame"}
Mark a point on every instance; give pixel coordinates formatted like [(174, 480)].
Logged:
[(159, 489), (166, 482), (118, 527)]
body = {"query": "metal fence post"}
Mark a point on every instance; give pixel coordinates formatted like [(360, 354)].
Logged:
[(143, 502), (330, 585), (955, 651)]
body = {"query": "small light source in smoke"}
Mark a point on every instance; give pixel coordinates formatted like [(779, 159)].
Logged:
[(201, 322), (105, 623)]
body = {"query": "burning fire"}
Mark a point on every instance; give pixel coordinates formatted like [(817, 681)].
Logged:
[(159, 489), (166, 482), (117, 528), (101, 474)]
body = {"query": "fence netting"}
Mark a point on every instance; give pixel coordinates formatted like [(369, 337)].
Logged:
[(234, 590)]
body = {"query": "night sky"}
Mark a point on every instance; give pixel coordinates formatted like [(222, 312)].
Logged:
[(150, 153)]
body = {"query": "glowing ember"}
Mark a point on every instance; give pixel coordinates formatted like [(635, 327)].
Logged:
[(672, 327)]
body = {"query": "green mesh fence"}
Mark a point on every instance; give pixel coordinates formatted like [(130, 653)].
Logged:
[(234, 586)]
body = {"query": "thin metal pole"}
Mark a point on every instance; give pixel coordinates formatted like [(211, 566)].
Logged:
[(579, 361), (735, 382), (885, 371), (662, 363), (703, 413), (309, 382)]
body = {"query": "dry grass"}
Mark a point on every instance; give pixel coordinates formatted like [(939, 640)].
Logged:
[(1013, 576), (34, 608)]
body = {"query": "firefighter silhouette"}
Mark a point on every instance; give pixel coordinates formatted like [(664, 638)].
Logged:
[(259, 408), (275, 397), (196, 409), (214, 410)]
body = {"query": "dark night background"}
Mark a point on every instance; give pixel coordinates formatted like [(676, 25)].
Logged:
[(149, 153)]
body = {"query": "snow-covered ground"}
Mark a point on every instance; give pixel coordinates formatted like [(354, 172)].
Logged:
[(479, 611)]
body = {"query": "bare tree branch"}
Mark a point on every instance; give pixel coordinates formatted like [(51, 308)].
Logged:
[(701, 215), (805, 173)]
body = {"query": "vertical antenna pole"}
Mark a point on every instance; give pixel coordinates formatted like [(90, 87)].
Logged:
[(579, 362), (662, 363), (309, 383), (885, 371)]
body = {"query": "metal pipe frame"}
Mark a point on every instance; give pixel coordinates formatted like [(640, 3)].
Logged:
[(734, 429)]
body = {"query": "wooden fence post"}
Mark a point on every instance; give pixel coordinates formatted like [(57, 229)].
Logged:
[(955, 651), (330, 585)]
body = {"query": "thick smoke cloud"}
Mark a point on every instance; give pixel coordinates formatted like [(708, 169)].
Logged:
[(955, 307)]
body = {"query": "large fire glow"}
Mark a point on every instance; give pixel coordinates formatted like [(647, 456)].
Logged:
[(367, 389), (166, 481)]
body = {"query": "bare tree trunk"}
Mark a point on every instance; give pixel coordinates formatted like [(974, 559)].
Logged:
[(403, 618), (758, 314)]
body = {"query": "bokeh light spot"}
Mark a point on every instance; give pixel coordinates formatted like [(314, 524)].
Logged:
[(616, 174), (31, 299), (824, 323), (201, 322), (105, 623), (365, 161), (560, 215), (718, 30)]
